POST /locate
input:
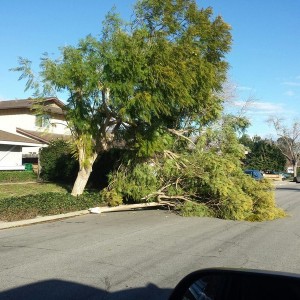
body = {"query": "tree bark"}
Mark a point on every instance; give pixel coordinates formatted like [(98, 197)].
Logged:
[(295, 167), (85, 170), (80, 182)]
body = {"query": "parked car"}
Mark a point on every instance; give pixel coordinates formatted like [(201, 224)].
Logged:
[(255, 174)]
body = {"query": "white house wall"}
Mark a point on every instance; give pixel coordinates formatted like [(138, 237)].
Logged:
[(32, 151), (10, 156), (9, 122)]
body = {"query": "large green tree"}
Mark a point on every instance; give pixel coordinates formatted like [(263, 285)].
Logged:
[(158, 75)]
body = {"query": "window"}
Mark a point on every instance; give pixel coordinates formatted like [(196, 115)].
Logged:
[(42, 121)]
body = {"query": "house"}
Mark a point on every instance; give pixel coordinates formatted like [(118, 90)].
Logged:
[(26, 127), (11, 150)]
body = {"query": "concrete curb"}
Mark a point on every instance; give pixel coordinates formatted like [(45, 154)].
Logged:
[(6, 225), (279, 183), (103, 209)]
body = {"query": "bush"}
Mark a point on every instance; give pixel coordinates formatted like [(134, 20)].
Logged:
[(57, 162), (17, 176), (30, 206)]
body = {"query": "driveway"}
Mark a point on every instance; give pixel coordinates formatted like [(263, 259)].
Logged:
[(141, 254)]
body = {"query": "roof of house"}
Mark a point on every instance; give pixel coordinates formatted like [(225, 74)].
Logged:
[(43, 137), (10, 137), (29, 103)]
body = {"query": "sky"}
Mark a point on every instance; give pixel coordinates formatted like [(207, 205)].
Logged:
[(264, 59)]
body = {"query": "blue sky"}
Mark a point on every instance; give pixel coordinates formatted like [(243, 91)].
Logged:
[(264, 61)]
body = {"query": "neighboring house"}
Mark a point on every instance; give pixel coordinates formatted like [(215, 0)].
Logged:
[(11, 150), (35, 128)]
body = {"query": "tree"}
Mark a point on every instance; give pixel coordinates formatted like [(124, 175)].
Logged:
[(263, 154), (202, 178), (140, 82), (288, 141)]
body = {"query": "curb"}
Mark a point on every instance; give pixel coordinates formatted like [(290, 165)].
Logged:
[(97, 210), (279, 183), (6, 225)]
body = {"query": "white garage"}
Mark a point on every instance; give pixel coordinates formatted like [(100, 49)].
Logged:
[(11, 150)]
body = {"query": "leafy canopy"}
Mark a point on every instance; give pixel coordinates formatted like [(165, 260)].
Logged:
[(161, 71)]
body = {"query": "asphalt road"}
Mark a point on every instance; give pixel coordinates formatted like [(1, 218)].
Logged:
[(142, 254)]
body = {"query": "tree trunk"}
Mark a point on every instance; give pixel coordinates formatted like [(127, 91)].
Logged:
[(85, 170), (295, 167), (80, 182)]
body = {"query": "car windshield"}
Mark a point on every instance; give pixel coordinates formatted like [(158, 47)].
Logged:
[(141, 140)]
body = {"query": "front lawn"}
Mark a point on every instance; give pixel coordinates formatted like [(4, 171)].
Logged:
[(31, 206), (22, 189), (25, 201), (17, 176)]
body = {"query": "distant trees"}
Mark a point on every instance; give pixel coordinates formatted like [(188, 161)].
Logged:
[(288, 140), (263, 154)]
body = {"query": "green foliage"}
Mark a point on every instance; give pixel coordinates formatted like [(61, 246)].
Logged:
[(161, 71), (57, 162), (190, 209), (207, 176), (17, 176), (111, 197), (263, 154), (134, 181), (30, 206)]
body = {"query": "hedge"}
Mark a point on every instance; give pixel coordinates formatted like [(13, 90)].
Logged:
[(57, 163), (31, 206), (17, 176)]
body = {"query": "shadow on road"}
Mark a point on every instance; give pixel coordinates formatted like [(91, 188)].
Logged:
[(288, 189), (59, 289)]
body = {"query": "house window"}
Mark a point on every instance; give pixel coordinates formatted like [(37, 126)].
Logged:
[(42, 121)]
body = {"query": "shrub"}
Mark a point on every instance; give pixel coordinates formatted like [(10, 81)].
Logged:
[(57, 163), (17, 176), (30, 206)]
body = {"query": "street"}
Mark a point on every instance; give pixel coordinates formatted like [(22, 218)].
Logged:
[(140, 254)]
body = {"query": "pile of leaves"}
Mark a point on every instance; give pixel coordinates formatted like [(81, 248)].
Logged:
[(204, 178)]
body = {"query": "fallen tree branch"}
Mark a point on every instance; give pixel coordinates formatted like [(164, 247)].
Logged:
[(125, 207), (180, 133)]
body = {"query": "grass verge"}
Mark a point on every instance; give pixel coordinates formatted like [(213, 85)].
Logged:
[(31, 206), (17, 176), (17, 190)]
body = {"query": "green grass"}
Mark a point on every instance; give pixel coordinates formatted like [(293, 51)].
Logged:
[(17, 176), (29, 200), (17, 190), (44, 204)]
